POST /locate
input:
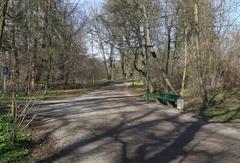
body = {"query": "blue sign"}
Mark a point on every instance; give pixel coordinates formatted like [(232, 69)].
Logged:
[(5, 70)]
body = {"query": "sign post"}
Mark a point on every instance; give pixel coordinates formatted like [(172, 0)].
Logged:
[(5, 73)]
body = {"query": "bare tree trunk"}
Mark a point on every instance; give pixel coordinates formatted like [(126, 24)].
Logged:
[(33, 67), (147, 44), (168, 49), (15, 53), (105, 64), (49, 67), (174, 52), (4, 12), (202, 85), (67, 78), (165, 76), (28, 51), (122, 53), (62, 66), (185, 60), (48, 43), (39, 70), (111, 62)]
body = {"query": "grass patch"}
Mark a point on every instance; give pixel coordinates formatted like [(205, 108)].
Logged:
[(55, 93), (139, 86), (50, 95), (9, 151), (62, 94)]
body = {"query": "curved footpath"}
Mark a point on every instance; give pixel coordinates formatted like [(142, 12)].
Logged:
[(111, 126)]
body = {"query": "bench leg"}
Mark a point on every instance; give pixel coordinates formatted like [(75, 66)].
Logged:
[(168, 104)]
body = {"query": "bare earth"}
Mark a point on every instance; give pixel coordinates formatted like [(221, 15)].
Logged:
[(111, 126)]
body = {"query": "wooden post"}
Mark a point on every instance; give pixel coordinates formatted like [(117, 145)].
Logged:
[(4, 84), (14, 109), (14, 114)]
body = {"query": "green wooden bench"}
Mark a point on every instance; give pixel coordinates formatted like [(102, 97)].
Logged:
[(168, 98), (148, 96)]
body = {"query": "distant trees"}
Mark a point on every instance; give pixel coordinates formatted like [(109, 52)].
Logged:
[(44, 42)]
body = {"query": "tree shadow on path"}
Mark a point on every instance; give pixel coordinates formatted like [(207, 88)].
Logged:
[(171, 152)]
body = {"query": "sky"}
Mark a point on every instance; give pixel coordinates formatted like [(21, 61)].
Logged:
[(235, 11)]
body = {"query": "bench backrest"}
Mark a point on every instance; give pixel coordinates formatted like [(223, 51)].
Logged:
[(168, 95)]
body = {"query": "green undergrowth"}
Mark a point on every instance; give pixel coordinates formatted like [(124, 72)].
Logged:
[(225, 107), (9, 151), (61, 94), (228, 94), (223, 114)]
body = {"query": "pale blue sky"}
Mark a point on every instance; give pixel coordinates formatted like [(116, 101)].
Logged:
[(235, 11)]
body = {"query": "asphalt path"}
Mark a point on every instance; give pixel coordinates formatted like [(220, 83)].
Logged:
[(112, 126)]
